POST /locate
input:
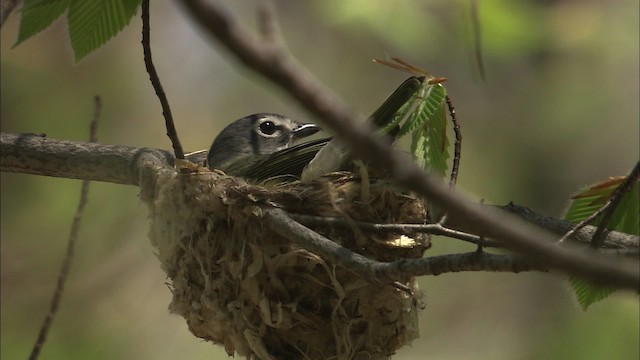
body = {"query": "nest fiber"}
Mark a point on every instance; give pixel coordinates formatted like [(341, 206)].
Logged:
[(261, 296)]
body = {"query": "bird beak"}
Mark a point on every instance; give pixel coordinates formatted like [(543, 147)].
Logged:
[(305, 130)]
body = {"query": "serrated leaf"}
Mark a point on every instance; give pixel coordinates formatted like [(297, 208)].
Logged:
[(438, 150), (430, 103), (37, 15), (587, 293), (402, 113), (397, 105), (422, 106), (93, 22), (332, 156), (591, 198), (428, 126), (625, 218)]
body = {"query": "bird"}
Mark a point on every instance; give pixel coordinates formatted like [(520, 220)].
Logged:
[(262, 146), (247, 142)]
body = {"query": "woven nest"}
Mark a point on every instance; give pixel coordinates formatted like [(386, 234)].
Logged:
[(241, 285)]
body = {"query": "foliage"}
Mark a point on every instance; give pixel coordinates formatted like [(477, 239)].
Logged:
[(428, 126), (417, 108), (625, 219), (91, 23)]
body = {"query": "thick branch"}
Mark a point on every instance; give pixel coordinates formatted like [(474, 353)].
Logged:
[(38, 155), (613, 239), (516, 234)]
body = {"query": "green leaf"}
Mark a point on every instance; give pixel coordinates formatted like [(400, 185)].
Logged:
[(624, 218), (430, 103), (93, 22), (422, 107), (591, 198), (397, 105), (37, 15), (428, 126), (587, 293), (386, 117), (401, 114)]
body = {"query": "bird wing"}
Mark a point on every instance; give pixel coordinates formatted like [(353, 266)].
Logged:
[(289, 161)]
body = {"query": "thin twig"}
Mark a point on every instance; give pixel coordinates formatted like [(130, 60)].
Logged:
[(434, 229), (612, 204), (457, 149), (582, 224), (68, 258), (155, 81)]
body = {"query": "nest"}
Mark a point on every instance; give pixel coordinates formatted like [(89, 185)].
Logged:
[(242, 286)]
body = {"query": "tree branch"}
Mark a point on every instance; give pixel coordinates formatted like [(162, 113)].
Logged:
[(516, 234), (613, 240), (38, 155)]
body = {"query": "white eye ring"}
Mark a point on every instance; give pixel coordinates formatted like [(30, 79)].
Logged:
[(267, 128)]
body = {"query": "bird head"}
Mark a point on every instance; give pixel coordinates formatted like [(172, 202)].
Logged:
[(257, 134)]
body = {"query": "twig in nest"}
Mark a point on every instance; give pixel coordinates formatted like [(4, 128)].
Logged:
[(68, 258), (612, 204), (434, 229), (280, 222), (155, 81)]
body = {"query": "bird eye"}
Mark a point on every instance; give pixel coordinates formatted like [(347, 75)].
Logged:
[(268, 128)]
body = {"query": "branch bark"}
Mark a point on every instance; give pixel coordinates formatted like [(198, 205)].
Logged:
[(38, 155)]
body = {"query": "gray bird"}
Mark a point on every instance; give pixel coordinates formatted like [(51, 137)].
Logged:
[(260, 146), (248, 142)]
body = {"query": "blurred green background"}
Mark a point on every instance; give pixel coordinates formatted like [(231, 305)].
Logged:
[(559, 110)]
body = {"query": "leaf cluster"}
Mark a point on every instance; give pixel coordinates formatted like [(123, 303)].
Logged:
[(91, 23)]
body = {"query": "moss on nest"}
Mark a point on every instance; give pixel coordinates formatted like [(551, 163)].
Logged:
[(242, 286)]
